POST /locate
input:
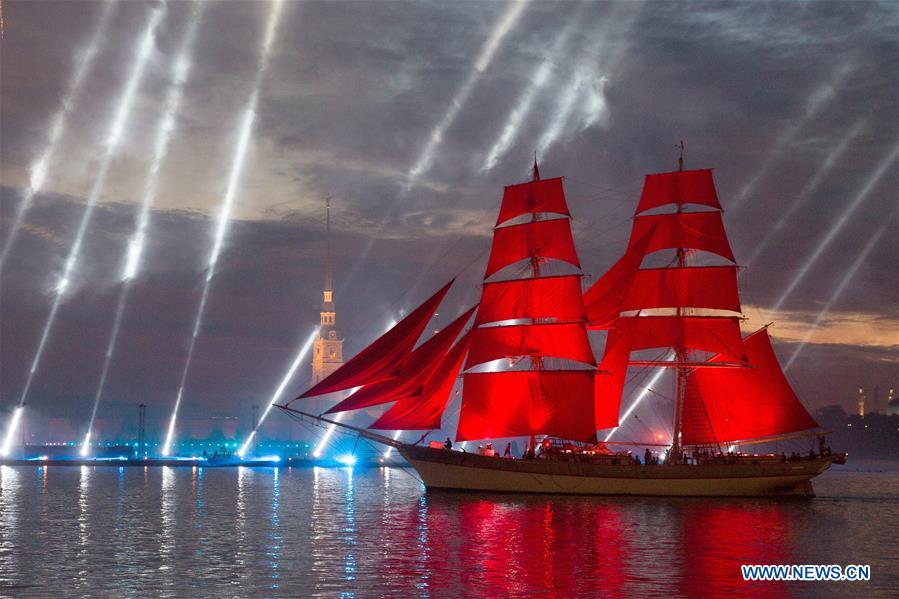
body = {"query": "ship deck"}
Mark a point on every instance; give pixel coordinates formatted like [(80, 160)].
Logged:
[(446, 469)]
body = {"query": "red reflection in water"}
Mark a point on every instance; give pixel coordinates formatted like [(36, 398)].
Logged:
[(512, 547), (717, 539), (447, 544)]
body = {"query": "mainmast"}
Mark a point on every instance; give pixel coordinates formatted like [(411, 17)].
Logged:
[(623, 300), (680, 351)]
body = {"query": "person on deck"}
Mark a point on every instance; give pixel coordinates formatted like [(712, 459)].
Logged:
[(507, 453), (647, 457), (448, 444)]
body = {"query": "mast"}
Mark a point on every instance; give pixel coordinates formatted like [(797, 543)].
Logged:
[(680, 351), (617, 301), (530, 370)]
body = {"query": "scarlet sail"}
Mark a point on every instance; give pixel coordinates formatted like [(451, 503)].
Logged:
[(688, 287), (602, 302), (539, 239), (546, 297), (687, 230), (679, 187), (744, 403), (610, 379), (379, 360), (533, 197), (521, 403), (717, 334), (423, 408), (409, 373), (566, 340)]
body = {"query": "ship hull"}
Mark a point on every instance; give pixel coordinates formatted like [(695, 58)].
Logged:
[(459, 471)]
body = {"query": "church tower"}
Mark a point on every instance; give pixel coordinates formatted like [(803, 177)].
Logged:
[(327, 351)]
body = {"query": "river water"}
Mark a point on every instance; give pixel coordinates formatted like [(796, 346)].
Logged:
[(266, 532)]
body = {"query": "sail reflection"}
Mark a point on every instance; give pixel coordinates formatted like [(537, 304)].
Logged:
[(721, 537), (589, 547)]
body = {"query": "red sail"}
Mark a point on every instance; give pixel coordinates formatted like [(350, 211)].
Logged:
[(718, 334), (748, 403), (420, 363), (687, 287), (423, 409), (696, 428), (545, 297), (556, 340), (544, 239), (378, 361), (690, 230), (602, 302), (679, 187), (610, 378), (533, 197), (522, 403)]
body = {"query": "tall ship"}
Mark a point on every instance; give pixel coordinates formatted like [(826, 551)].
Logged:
[(528, 372)]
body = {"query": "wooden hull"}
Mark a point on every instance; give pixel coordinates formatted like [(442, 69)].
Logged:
[(453, 470)]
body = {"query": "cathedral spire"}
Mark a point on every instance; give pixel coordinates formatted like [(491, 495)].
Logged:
[(327, 354), (328, 293)]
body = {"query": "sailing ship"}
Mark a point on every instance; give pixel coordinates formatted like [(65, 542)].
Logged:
[(528, 368)]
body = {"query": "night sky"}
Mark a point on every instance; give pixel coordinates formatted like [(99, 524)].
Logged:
[(794, 105)]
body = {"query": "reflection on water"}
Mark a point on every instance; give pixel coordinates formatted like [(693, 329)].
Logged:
[(10, 480), (175, 532)]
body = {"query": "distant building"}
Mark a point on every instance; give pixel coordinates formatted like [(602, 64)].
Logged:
[(892, 403), (861, 402), (832, 416), (327, 350)]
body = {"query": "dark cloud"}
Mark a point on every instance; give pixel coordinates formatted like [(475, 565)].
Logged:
[(760, 91)]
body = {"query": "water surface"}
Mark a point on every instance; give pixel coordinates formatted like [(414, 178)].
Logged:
[(175, 532)]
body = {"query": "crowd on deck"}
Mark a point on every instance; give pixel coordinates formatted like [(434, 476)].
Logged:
[(546, 449)]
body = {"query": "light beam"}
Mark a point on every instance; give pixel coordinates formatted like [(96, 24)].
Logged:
[(835, 229), (586, 87), (113, 139), (172, 106), (816, 101), (643, 393), (39, 168), (564, 107), (526, 100), (301, 355), (810, 186), (844, 282), (227, 205), (389, 450), (11, 431), (324, 441), (506, 22)]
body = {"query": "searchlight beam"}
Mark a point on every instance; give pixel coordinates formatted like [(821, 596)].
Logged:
[(41, 165), (113, 140), (227, 205), (174, 95)]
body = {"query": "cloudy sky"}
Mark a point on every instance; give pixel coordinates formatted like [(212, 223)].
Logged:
[(412, 116)]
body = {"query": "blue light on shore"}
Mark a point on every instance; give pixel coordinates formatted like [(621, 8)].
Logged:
[(347, 460)]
